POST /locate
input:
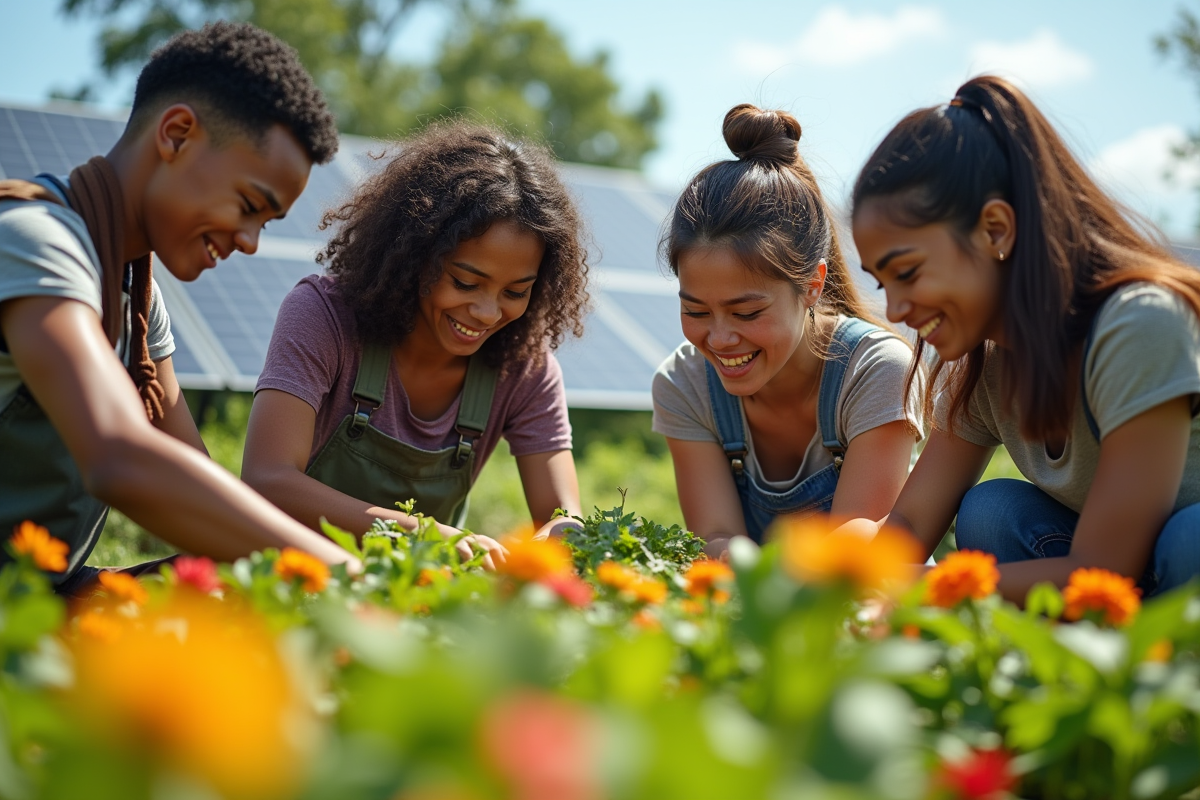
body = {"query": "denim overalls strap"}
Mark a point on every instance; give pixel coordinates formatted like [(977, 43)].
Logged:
[(760, 505), (366, 463)]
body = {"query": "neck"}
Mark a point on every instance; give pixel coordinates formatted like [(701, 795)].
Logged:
[(422, 353), (133, 170), (799, 376)]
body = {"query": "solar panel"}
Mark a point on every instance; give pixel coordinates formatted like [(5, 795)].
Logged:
[(222, 322)]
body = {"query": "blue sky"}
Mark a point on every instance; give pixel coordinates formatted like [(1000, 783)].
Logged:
[(848, 71)]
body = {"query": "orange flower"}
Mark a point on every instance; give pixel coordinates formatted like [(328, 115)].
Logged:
[(200, 688), (648, 590), (704, 577), (910, 631), (122, 587), (534, 559), (646, 621), (427, 577), (47, 552), (99, 626), (618, 576), (1100, 590), (692, 607), (293, 564), (812, 552), (1160, 651), (963, 574)]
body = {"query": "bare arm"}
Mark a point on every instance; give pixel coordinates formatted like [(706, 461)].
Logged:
[(162, 484), (1131, 497), (550, 483), (177, 418), (707, 494), (873, 471)]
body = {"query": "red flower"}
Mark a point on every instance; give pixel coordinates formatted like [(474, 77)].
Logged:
[(984, 775), (199, 573), (570, 588)]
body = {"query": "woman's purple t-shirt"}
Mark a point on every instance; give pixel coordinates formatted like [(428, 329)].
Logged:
[(315, 353)]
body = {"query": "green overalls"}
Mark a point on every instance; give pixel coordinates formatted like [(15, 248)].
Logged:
[(365, 463)]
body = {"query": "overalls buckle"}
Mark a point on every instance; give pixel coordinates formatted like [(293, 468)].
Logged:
[(359, 421), (466, 445)]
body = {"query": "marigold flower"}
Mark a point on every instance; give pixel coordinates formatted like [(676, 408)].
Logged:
[(618, 576), (691, 607), (293, 564), (101, 627), (531, 560), (646, 620), (427, 577), (1101, 590), (963, 574), (984, 775), (648, 590), (705, 578), (198, 573), (814, 553), (122, 587), (910, 631), (571, 588), (35, 541)]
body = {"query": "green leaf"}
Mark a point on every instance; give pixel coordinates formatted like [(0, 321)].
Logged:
[(343, 539), (1044, 599)]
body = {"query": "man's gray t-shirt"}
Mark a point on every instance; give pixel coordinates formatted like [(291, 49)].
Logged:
[(872, 395), (45, 250), (1145, 351)]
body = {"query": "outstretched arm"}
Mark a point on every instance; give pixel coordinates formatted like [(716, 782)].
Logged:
[(162, 484), (707, 494), (177, 418), (550, 483), (873, 471)]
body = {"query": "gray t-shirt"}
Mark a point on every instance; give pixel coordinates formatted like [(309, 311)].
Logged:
[(1145, 351), (45, 250), (872, 395)]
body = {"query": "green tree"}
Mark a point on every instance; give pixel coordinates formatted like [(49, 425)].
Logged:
[(494, 64), (1182, 42)]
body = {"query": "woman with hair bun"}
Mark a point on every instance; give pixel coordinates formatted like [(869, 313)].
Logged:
[(1062, 331), (787, 398)]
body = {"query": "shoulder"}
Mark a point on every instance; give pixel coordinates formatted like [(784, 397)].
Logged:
[(1145, 305), (45, 250), (682, 372), (880, 353), (533, 373), (36, 226)]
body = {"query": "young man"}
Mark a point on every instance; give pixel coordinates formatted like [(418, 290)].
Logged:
[(225, 127)]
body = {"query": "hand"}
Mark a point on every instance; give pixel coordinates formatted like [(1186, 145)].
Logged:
[(556, 527), (717, 548), (495, 553)]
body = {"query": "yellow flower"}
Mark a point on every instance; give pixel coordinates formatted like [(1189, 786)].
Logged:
[(101, 627), (704, 578), (648, 590), (816, 553), (1100, 590), (531, 560), (293, 564), (966, 573), (618, 576), (122, 587), (199, 688), (47, 552)]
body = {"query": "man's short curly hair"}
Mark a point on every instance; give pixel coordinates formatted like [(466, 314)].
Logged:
[(443, 187), (241, 79)]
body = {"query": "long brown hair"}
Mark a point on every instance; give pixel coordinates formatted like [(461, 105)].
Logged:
[(1075, 245), (767, 208)]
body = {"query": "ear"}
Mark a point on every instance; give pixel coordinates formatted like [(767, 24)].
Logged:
[(996, 231), (816, 284), (178, 128)]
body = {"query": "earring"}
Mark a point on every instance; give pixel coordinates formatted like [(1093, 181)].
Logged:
[(1001, 255), (812, 315)]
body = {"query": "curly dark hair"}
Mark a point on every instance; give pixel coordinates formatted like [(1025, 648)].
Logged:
[(243, 80), (446, 185)]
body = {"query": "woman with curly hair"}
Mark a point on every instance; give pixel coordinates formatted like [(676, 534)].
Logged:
[(453, 273)]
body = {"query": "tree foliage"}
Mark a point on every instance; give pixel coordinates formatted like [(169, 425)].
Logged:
[(1182, 42), (494, 64)]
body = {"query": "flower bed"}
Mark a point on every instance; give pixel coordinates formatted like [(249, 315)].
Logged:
[(613, 666)]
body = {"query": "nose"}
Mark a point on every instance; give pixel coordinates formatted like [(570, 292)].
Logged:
[(486, 310), (246, 240), (721, 336), (898, 306)]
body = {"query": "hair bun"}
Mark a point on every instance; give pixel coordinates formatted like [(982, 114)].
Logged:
[(754, 134)]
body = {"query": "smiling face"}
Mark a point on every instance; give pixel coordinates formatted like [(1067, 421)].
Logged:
[(747, 325), (205, 201), (485, 284), (949, 293)]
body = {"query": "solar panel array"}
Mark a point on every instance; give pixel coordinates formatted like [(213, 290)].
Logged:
[(223, 321)]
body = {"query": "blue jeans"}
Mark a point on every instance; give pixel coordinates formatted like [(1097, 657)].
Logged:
[(1016, 521)]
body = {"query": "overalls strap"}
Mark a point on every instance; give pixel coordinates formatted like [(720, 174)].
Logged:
[(370, 385), (727, 412), (475, 407), (846, 338), (1087, 410)]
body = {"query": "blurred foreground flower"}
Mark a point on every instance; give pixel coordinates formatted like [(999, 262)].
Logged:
[(813, 552), (983, 775), (707, 578), (546, 747), (961, 574), (198, 573), (1112, 595), (36, 542), (296, 564), (531, 560), (571, 588), (122, 588), (618, 576), (198, 688)]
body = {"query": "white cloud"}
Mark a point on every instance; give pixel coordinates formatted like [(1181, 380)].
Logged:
[(839, 38), (1136, 170), (1041, 61)]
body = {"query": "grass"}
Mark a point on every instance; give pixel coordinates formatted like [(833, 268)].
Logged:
[(613, 450)]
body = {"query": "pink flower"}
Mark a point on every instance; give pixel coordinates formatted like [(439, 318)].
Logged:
[(570, 588), (199, 573), (984, 775)]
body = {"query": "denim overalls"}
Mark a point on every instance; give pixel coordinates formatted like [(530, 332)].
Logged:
[(815, 493)]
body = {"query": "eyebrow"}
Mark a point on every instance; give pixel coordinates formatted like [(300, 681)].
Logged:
[(271, 199), (883, 262), (749, 297), (482, 274)]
